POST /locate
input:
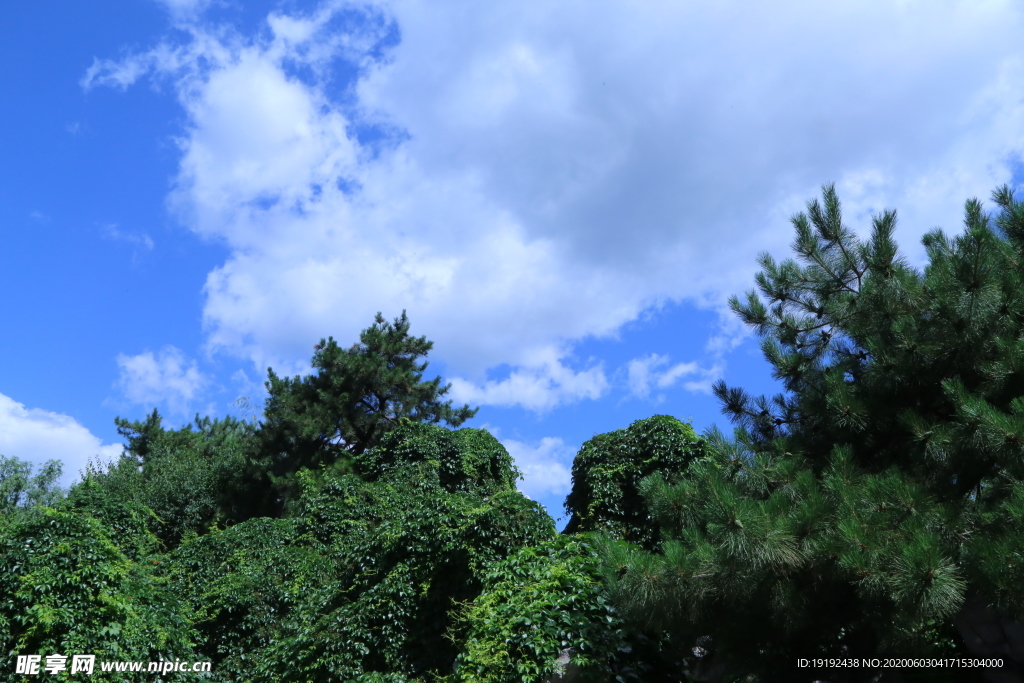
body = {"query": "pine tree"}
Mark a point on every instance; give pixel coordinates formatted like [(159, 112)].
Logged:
[(877, 504), (356, 396)]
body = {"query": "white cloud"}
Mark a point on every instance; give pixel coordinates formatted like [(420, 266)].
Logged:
[(165, 378), (549, 170), (38, 435), (654, 371), (115, 73), (546, 467), (539, 385)]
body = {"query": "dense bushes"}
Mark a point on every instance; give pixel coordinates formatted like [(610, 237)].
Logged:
[(70, 584), (364, 579), (543, 609)]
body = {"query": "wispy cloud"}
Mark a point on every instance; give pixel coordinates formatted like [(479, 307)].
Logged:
[(143, 241), (655, 371), (165, 378), (119, 73), (184, 9)]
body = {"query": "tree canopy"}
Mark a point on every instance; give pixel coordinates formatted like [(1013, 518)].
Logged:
[(608, 469), (356, 396), (877, 503), (19, 489), (192, 478)]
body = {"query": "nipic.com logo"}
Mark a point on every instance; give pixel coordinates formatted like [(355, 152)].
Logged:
[(34, 665)]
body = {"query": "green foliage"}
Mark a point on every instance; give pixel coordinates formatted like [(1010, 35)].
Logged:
[(608, 469), (141, 436), (541, 603), (361, 583), (20, 490), (852, 514), (191, 478), (67, 588), (357, 396), (239, 583), (347, 537), (465, 460), (133, 527)]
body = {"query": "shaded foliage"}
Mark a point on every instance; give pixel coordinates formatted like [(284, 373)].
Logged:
[(608, 469), (191, 478), (361, 583), (855, 513)]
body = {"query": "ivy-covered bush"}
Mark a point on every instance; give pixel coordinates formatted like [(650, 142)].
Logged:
[(608, 469), (465, 460), (543, 610), (363, 583), (66, 587), (241, 582)]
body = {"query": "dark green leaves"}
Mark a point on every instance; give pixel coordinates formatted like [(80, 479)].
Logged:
[(608, 469), (857, 511), (356, 396)]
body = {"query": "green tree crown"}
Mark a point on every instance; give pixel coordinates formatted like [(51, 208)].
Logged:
[(356, 396), (876, 504)]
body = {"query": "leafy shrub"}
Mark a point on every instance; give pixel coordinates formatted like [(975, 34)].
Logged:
[(542, 603), (607, 472), (67, 588), (361, 584)]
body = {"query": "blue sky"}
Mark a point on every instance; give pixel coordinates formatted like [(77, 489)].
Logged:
[(562, 194)]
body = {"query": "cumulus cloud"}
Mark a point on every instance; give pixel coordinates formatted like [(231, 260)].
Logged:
[(546, 467), (521, 176), (38, 435), (166, 378)]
